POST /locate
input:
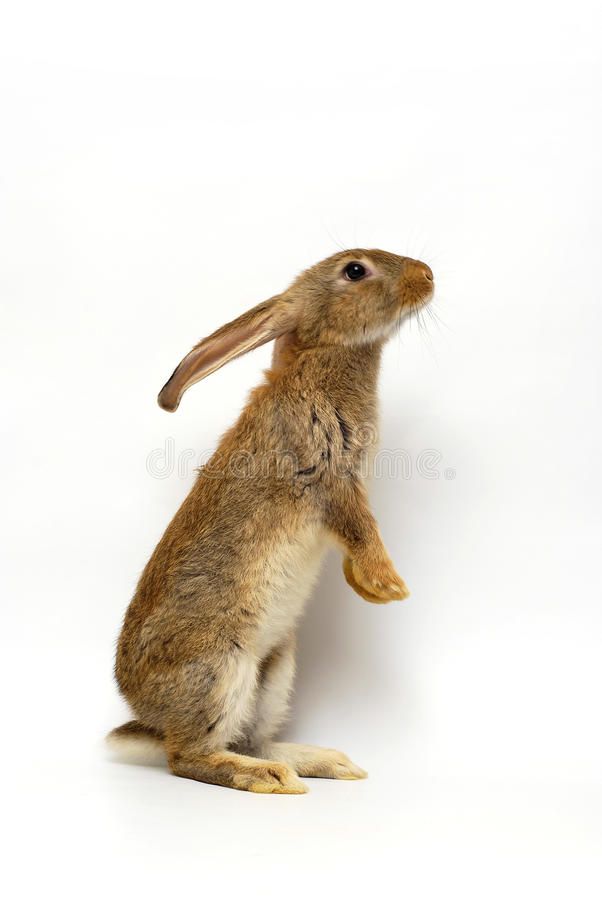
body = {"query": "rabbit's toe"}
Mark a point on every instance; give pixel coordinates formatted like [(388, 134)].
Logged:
[(376, 584), (337, 765), (270, 778)]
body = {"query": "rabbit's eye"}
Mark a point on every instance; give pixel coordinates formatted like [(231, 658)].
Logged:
[(354, 271)]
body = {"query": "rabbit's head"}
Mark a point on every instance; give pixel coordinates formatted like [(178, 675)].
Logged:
[(357, 297), (352, 298)]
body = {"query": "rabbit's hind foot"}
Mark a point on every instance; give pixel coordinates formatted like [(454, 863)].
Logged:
[(244, 773), (315, 762)]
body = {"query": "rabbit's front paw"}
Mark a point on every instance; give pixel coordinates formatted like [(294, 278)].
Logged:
[(375, 581)]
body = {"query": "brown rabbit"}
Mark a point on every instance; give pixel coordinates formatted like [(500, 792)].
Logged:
[(206, 656)]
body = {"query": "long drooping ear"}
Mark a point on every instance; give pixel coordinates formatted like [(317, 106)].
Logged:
[(255, 327)]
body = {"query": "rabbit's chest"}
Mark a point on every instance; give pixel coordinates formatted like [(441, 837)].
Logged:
[(289, 574)]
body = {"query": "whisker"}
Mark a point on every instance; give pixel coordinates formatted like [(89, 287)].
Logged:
[(332, 238), (437, 318)]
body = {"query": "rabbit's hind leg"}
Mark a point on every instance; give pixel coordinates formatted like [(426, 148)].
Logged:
[(276, 677), (245, 773), (315, 762), (202, 728)]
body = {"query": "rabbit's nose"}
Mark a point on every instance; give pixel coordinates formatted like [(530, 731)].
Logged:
[(415, 270)]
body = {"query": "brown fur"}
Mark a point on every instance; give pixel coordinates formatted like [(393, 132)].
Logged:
[(194, 655)]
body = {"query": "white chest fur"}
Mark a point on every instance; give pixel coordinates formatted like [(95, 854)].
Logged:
[(289, 574)]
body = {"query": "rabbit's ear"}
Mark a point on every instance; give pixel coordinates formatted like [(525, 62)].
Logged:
[(255, 327)]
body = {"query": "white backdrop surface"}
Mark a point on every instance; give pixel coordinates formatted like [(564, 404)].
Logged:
[(165, 166)]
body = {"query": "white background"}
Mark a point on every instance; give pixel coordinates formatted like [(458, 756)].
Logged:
[(165, 166)]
